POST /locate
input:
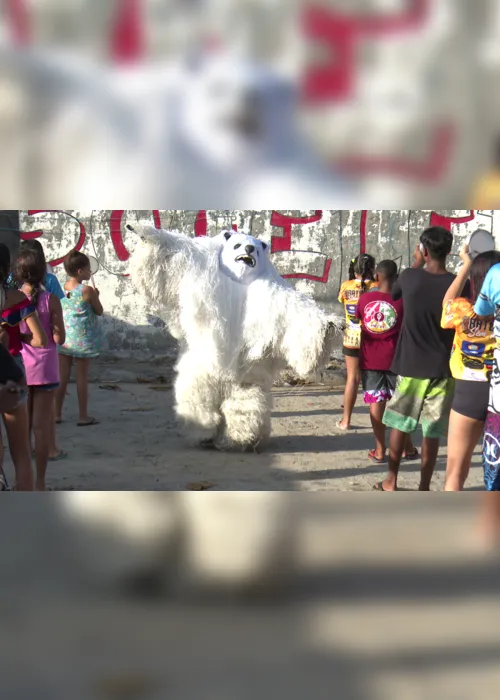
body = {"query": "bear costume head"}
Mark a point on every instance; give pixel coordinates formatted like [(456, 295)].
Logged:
[(242, 257)]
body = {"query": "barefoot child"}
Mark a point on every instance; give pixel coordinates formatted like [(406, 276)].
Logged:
[(42, 364), (381, 320), (81, 307)]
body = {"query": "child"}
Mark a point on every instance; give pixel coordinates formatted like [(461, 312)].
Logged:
[(50, 281), (361, 279), (488, 305), (424, 390), (81, 307), (51, 284), (19, 308), (381, 319), (42, 364), (471, 365)]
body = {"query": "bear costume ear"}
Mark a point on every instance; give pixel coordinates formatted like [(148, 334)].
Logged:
[(227, 235)]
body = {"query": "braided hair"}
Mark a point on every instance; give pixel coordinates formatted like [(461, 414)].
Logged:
[(363, 266), (30, 268)]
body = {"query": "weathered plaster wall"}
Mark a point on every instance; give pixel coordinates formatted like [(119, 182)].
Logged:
[(312, 248)]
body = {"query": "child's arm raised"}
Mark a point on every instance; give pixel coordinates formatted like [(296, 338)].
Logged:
[(57, 320), (91, 296), (458, 284)]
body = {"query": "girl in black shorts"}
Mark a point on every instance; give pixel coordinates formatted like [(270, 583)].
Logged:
[(471, 365), (361, 279)]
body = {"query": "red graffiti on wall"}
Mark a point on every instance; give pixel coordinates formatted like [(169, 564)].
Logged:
[(447, 221), (283, 244), (128, 38), (340, 35), (115, 225), (363, 231), (431, 168), (18, 18), (201, 223), (30, 235), (435, 220), (280, 244)]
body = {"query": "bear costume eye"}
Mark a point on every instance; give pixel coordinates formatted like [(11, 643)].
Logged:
[(238, 245), (227, 235), (264, 245)]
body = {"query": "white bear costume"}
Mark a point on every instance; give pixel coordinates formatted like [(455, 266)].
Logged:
[(238, 324)]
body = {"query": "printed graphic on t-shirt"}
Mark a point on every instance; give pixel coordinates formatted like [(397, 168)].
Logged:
[(472, 354), (380, 317)]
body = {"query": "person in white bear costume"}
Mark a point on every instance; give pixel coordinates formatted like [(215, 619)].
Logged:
[(238, 323)]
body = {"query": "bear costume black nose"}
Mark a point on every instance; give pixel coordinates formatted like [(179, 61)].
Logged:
[(249, 249)]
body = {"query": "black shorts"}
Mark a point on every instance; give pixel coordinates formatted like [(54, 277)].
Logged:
[(351, 352), (471, 399)]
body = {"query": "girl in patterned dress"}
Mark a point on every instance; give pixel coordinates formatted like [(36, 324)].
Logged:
[(81, 308)]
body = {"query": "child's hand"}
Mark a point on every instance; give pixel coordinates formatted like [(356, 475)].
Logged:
[(465, 254), (418, 256), (10, 395)]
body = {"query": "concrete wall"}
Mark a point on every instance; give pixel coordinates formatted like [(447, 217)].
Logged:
[(312, 248)]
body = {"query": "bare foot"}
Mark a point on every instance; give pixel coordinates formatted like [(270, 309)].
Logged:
[(385, 486), (40, 486)]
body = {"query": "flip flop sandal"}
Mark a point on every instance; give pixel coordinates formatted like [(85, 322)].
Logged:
[(87, 425), (60, 456), (376, 460), (412, 456)]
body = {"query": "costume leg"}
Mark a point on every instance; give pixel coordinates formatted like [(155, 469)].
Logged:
[(246, 412), (197, 394)]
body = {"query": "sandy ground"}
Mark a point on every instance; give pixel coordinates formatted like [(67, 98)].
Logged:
[(139, 445)]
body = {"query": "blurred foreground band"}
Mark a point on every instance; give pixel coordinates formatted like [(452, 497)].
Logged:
[(230, 104), (380, 598)]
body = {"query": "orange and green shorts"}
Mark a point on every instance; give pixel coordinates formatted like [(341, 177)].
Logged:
[(424, 401)]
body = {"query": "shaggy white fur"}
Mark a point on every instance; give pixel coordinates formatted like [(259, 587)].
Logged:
[(238, 324)]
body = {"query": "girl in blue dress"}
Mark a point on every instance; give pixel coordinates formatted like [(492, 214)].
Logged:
[(81, 309)]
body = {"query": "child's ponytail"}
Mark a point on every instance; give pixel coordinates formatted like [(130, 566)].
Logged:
[(352, 269), (367, 270), (364, 267), (30, 269)]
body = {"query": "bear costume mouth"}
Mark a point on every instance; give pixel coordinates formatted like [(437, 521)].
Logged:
[(247, 259)]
